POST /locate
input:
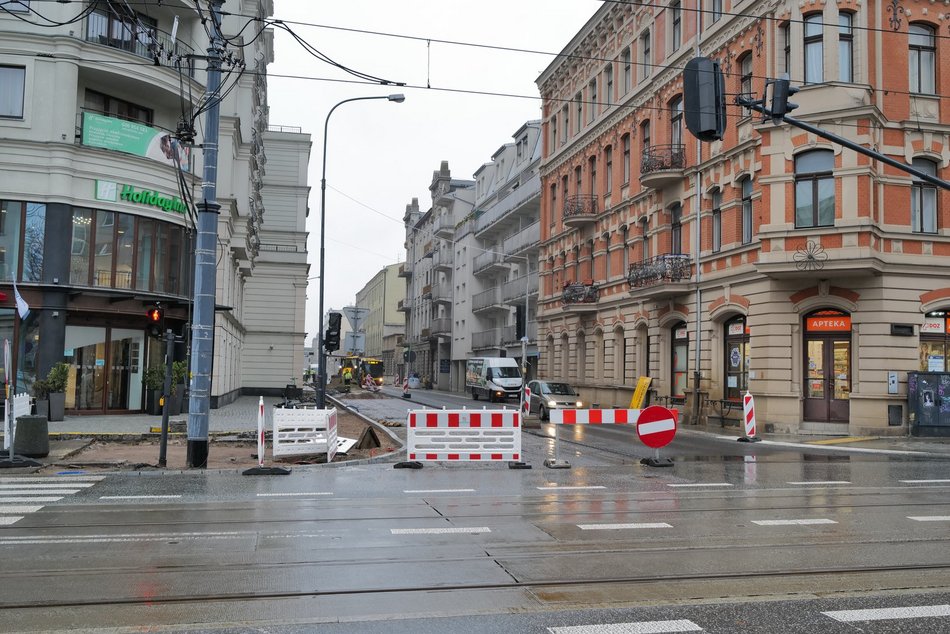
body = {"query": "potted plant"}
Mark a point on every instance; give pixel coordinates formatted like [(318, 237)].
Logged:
[(41, 393), (154, 381), (56, 382), (179, 372)]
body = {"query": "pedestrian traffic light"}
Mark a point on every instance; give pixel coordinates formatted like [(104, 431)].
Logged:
[(156, 320), (704, 99), (331, 341), (781, 91)]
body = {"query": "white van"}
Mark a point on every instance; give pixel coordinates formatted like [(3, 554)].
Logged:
[(495, 378)]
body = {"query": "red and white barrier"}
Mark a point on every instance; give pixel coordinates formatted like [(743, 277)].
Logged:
[(594, 416), (748, 417), (668, 418), (463, 435)]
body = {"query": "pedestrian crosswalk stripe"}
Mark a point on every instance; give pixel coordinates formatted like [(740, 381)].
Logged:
[(439, 531), (11, 508), (610, 527), (56, 479), (804, 522), (10, 500), (881, 614), (47, 485), (139, 497), (929, 518), (702, 484), (10, 519), (804, 482), (38, 491), (925, 481), (570, 488), (641, 627), (20, 495)]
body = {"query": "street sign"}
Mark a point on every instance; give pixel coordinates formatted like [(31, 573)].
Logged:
[(656, 426), (355, 343), (355, 316)]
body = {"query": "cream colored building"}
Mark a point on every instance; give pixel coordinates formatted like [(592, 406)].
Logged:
[(384, 324)]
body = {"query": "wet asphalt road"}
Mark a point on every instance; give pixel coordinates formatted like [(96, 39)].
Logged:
[(732, 537)]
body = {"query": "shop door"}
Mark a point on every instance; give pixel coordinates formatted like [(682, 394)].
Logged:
[(827, 379), (106, 369)]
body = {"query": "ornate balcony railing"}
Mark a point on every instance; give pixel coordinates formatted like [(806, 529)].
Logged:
[(669, 268), (580, 206), (580, 293), (657, 158)]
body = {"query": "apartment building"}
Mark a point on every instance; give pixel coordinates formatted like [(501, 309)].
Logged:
[(771, 261), (95, 222), (384, 324), (430, 286)]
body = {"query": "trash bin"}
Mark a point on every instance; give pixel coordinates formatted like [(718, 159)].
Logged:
[(32, 437)]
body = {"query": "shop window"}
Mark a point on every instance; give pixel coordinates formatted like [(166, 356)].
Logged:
[(80, 250), (679, 362), (104, 244), (11, 214), (935, 342), (143, 272), (34, 236), (736, 358)]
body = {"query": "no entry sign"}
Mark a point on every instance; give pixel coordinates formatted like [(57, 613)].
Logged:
[(656, 426)]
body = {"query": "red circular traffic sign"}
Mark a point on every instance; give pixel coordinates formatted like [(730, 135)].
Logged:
[(656, 426)]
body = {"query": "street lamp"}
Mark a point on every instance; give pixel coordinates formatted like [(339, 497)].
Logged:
[(322, 391)]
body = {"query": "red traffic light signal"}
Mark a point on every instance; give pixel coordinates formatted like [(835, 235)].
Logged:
[(154, 315)]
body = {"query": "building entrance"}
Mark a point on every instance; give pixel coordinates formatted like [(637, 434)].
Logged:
[(105, 369), (827, 366)]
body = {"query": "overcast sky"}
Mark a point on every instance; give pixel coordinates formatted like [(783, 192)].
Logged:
[(381, 154)]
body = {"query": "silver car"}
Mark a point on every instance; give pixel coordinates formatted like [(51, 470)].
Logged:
[(547, 395)]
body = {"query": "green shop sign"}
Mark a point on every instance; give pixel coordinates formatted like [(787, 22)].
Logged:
[(135, 138), (108, 190)]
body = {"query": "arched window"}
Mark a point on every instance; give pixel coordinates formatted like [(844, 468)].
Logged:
[(565, 357), (922, 51), (736, 358), (814, 49), (814, 189), (599, 353), (620, 356), (923, 199)]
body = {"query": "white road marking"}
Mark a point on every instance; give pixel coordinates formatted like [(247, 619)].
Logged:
[(122, 537), (804, 482), (702, 484), (642, 627), (805, 522), (924, 481), (880, 614), (440, 531), (139, 497), (565, 488), (9, 508), (31, 499), (609, 527), (929, 518), (438, 490), (58, 480), (47, 485), (39, 492), (6, 521), (275, 495)]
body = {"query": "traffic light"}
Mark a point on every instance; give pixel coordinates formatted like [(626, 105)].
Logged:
[(781, 91), (156, 320), (704, 99), (331, 341)]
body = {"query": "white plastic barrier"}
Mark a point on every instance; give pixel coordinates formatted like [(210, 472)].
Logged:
[(300, 432), (18, 406), (463, 435)]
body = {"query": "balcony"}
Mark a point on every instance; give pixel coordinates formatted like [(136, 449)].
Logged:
[(662, 165), (442, 294), (580, 297), (660, 277), (509, 334), (485, 339), (527, 238), (523, 200), (428, 250), (443, 260), (513, 292), (405, 270), (444, 227), (427, 291), (441, 327), (488, 263), (141, 40), (580, 210), (487, 300), (405, 305)]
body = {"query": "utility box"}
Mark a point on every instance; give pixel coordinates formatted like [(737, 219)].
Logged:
[(928, 401)]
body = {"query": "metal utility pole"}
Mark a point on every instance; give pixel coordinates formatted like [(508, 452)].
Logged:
[(202, 329), (166, 396)]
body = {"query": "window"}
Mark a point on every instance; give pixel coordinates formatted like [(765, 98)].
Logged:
[(746, 210), (564, 188), (609, 169), (11, 217), (553, 132), (785, 31), (716, 221), (119, 108), (715, 8), (923, 199), (579, 115), (645, 239), (627, 69), (736, 358), (676, 122), (626, 249), (577, 180), (814, 73), (565, 120), (34, 236), (935, 342), (132, 32), (923, 52), (745, 76), (814, 189), (626, 158), (12, 89), (104, 241), (645, 136), (679, 362), (594, 98), (553, 204), (609, 84), (592, 172), (646, 61), (845, 47), (676, 18), (676, 229), (79, 254), (590, 251)]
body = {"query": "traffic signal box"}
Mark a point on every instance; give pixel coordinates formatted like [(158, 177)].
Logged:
[(704, 97), (331, 341), (156, 321)]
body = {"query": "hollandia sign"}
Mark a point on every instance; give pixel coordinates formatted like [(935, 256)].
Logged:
[(108, 190)]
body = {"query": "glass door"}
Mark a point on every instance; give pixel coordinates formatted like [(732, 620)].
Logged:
[(827, 380), (86, 356), (105, 368), (125, 369)]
